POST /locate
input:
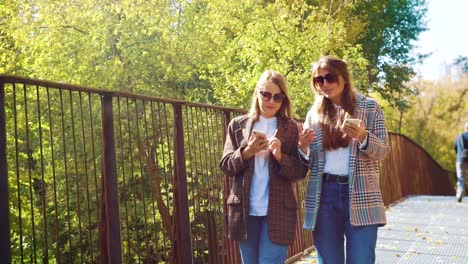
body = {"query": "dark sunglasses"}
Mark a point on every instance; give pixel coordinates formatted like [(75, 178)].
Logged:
[(278, 97), (320, 80)]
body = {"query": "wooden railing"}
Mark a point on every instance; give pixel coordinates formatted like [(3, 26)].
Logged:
[(90, 175)]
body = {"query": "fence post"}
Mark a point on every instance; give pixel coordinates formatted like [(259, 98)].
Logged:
[(110, 249), (5, 247), (182, 241)]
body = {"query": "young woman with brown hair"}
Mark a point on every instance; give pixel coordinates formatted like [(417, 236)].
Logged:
[(343, 205)]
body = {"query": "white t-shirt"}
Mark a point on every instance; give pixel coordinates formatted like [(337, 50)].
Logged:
[(260, 188)]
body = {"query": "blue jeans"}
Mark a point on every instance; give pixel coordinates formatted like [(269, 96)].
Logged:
[(258, 247), (461, 176), (333, 226)]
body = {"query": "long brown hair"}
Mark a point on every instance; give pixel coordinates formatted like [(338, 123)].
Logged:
[(278, 79), (330, 116)]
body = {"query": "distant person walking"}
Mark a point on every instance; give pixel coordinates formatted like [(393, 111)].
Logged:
[(461, 164), (261, 158)]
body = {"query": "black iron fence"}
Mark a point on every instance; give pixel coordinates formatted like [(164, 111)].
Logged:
[(97, 176)]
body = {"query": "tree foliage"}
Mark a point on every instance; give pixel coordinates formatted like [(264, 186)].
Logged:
[(387, 38), (435, 117), (210, 51), (462, 63)]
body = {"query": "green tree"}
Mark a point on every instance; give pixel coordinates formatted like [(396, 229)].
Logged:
[(436, 117), (387, 39), (283, 35), (210, 51), (462, 62), (124, 45)]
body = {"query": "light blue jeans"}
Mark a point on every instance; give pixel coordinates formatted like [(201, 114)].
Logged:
[(258, 248), (334, 230), (461, 176)]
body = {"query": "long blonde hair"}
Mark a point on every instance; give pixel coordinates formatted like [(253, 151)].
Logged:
[(330, 116), (278, 79)]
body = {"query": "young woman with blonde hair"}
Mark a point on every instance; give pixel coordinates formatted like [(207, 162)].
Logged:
[(262, 160)]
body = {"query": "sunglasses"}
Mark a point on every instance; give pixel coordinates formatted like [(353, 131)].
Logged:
[(278, 97), (320, 80)]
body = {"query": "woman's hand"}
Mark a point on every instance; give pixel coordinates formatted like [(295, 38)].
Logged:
[(274, 144), (355, 131), (255, 144), (306, 137)]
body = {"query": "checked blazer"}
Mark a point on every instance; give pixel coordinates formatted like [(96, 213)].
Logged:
[(366, 203), (282, 203)]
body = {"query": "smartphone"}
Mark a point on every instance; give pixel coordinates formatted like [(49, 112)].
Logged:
[(259, 134), (352, 121)]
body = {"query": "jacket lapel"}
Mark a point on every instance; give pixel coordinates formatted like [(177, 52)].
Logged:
[(244, 131)]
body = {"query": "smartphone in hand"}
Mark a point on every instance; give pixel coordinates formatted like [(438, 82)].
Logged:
[(259, 134), (352, 121)]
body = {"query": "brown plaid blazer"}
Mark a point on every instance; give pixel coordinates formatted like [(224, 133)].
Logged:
[(283, 204)]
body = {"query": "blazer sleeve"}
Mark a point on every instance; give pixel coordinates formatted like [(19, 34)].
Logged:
[(232, 163), (291, 167), (378, 144)]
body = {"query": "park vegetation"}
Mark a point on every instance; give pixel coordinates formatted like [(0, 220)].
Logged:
[(210, 52)]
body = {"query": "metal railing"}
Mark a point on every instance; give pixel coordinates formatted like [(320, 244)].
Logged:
[(410, 170), (97, 176)]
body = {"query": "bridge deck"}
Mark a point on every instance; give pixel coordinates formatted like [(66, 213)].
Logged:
[(422, 229)]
